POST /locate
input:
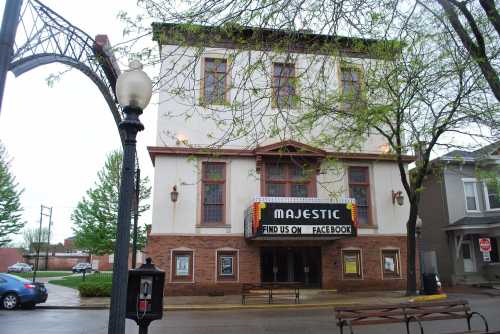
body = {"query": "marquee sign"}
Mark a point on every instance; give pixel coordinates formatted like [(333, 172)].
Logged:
[(304, 219)]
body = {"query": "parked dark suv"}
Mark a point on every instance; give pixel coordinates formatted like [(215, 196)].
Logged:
[(82, 267)]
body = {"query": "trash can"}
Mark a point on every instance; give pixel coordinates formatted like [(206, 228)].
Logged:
[(432, 284)]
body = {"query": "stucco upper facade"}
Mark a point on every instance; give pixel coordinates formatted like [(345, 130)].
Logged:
[(184, 118), (184, 121), (243, 184)]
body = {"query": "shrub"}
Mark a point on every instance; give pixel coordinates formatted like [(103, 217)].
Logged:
[(95, 289)]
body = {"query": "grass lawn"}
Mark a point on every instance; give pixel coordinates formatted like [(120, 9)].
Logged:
[(43, 274), (75, 281)]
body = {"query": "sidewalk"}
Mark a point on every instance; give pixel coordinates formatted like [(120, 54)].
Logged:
[(309, 298)]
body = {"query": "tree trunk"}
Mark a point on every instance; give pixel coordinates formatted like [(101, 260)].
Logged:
[(411, 274)]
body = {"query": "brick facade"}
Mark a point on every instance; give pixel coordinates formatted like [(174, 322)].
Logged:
[(204, 248), (159, 248), (104, 263), (371, 256), (57, 262), (9, 256)]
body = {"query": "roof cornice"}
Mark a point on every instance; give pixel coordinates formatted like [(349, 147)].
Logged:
[(155, 151), (255, 38)]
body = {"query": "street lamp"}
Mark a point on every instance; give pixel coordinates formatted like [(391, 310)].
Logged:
[(133, 90)]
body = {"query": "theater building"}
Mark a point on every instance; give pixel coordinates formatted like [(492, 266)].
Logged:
[(275, 210)]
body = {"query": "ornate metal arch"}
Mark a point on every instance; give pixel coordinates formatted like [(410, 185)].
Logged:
[(43, 37)]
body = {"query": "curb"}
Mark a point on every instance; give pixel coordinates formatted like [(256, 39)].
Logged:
[(75, 307), (251, 306), (429, 298), (213, 307)]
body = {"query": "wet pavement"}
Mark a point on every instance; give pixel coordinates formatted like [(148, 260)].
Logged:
[(60, 295), (289, 321), (66, 297)]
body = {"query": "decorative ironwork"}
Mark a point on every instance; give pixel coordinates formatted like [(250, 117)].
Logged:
[(44, 37)]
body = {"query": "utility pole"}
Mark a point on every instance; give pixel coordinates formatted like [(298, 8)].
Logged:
[(136, 216), (48, 242), (42, 208)]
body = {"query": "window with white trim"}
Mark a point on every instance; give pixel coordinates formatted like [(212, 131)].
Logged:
[(491, 196), (471, 202)]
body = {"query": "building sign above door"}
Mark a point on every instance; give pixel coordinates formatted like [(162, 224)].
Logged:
[(298, 217)]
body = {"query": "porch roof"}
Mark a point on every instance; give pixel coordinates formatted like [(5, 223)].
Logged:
[(473, 223)]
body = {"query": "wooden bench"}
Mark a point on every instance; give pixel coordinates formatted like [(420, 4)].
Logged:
[(443, 310), (255, 291), (360, 315), (405, 313)]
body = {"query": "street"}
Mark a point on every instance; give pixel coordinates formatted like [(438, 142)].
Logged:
[(289, 321)]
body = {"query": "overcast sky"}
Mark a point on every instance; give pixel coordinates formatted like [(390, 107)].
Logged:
[(58, 137)]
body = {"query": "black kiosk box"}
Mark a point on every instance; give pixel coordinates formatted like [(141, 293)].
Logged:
[(145, 294)]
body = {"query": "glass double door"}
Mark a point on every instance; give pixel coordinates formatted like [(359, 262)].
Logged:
[(291, 264)]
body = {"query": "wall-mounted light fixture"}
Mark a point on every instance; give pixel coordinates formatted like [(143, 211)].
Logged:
[(397, 196), (181, 139), (385, 148), (174, 194)]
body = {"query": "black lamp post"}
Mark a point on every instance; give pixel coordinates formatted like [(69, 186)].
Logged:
[(133, 90)]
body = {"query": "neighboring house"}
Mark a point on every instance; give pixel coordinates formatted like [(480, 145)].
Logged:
[(9, 256), (457, 209), (69, 243), (265, 213)]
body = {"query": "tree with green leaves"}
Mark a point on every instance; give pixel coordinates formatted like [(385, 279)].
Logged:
[(95, 217), (432, 97), (10, 201)]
